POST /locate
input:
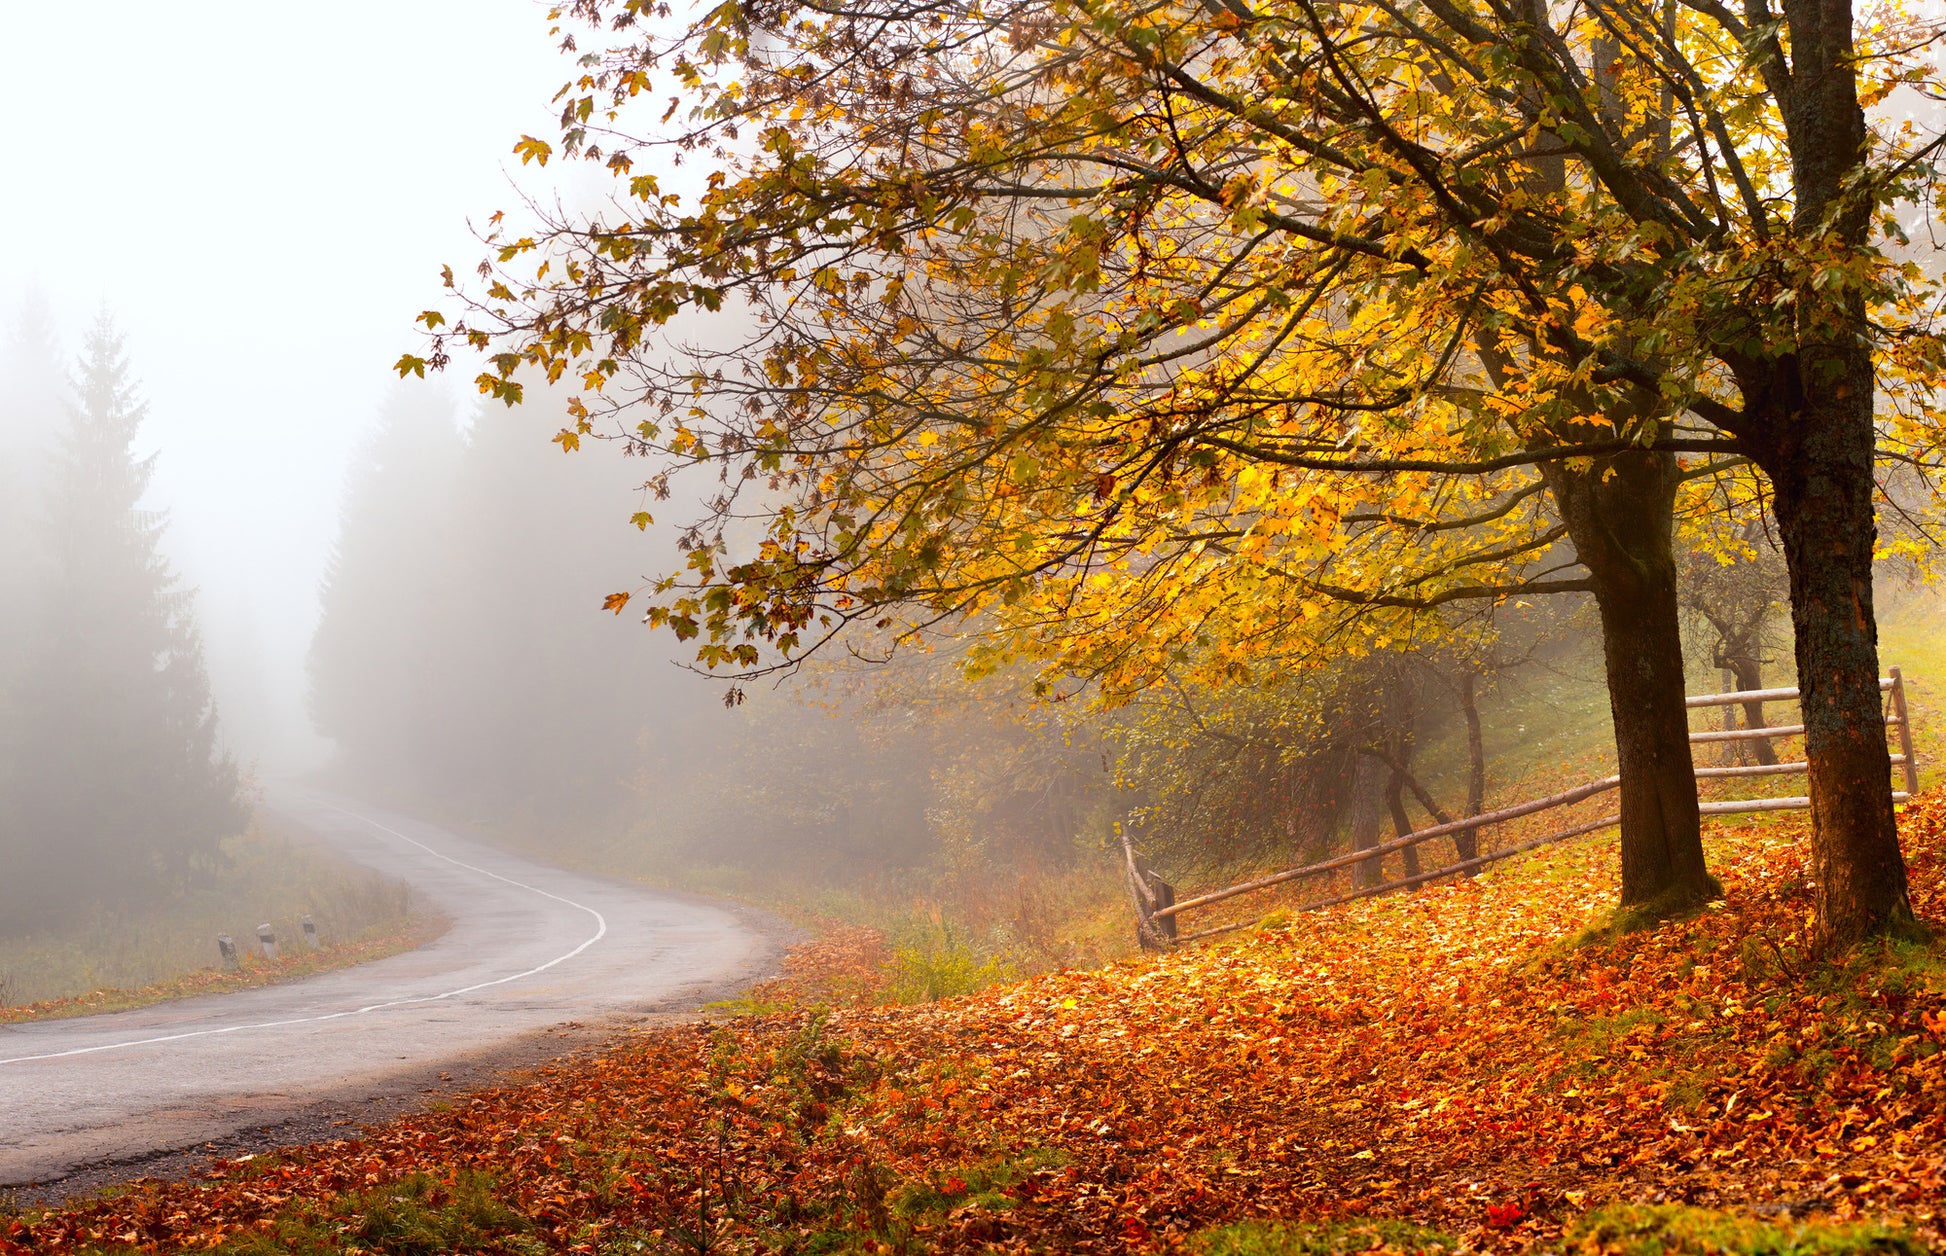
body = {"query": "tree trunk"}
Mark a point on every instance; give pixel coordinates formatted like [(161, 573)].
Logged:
[(1619, 514), (1401, 822), (1749, 674), (1467, 844), (1821, 478), (1738, 754), (1809, 426), (1367, 799)]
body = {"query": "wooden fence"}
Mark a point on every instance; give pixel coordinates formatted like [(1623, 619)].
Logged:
[(1158, 911)]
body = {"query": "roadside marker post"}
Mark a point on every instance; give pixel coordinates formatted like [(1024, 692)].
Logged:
[(226, 947), (267, 938), (310, 932)]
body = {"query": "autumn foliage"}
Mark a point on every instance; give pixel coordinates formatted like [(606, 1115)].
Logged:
[(1466, 1059)]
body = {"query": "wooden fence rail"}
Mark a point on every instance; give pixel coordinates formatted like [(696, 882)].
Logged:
[(1157, 910)]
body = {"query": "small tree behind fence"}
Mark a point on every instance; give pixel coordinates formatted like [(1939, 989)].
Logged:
[(1158, 911)]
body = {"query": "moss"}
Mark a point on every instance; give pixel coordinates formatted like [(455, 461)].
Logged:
[(1651, 1230)]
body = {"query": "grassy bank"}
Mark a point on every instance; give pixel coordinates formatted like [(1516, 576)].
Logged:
[(105, 960)]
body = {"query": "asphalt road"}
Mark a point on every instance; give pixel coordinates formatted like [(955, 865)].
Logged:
[(530, 948)]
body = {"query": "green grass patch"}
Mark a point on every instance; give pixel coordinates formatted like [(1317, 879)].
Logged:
[(1870, 998), (981, 1185), (418, 1215), (1612, 926), (1597, 1037), (1896, 966), (105, 961), (1289, 1238), (932, 959), (751, 1004), (1653, 1229)]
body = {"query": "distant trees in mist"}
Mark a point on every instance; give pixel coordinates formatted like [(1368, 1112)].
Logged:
[(461, 654), (463, 659), (112, 780)]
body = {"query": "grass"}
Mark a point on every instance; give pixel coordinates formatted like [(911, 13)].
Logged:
[(1283, 1238), (1909, 638), (1611, 926), (254, 971), (949, 930), (931, 959), (418, 1215), (1654, 1229), (1597, 1037), (983, 1184), (113, 960)]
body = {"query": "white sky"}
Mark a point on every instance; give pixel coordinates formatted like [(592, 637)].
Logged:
[(263, 194)]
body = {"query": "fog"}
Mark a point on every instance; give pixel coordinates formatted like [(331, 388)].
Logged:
[(398, 587), (262, 196), (228, 223)]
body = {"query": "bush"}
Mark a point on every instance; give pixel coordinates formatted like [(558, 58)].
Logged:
[(931, 959)]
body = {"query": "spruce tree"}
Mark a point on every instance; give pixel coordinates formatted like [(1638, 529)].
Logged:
[(385, 613), (118, 785)]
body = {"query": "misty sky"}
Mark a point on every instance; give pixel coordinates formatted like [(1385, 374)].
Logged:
[(263, 194)]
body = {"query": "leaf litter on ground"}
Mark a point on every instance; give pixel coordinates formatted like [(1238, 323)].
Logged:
[(1468, 1068)]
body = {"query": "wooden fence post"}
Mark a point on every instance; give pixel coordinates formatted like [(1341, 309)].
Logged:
[(1163, 895), (1157, 908), (1905, 732), (1148, 892)]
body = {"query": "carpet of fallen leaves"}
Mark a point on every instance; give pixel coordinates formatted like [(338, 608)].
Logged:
[(1449, 1057)]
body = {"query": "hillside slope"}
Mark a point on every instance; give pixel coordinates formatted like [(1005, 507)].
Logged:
[(1451, 1059)]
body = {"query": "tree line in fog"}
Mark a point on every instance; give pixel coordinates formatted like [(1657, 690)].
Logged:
[(113, 780)]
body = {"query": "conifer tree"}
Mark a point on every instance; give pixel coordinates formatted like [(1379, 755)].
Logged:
[(117, 781), (456, 657), (385, 613)]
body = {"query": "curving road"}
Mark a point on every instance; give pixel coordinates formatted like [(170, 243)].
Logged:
[(531, 947)]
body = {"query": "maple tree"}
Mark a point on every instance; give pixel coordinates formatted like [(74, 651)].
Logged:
[(1163, 333)]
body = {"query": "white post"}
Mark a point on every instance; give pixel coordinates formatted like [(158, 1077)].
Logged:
[(226, 947), (267, 938), (310, 932)]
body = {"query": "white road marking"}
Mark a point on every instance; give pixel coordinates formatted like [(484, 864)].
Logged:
[(601, 931)]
